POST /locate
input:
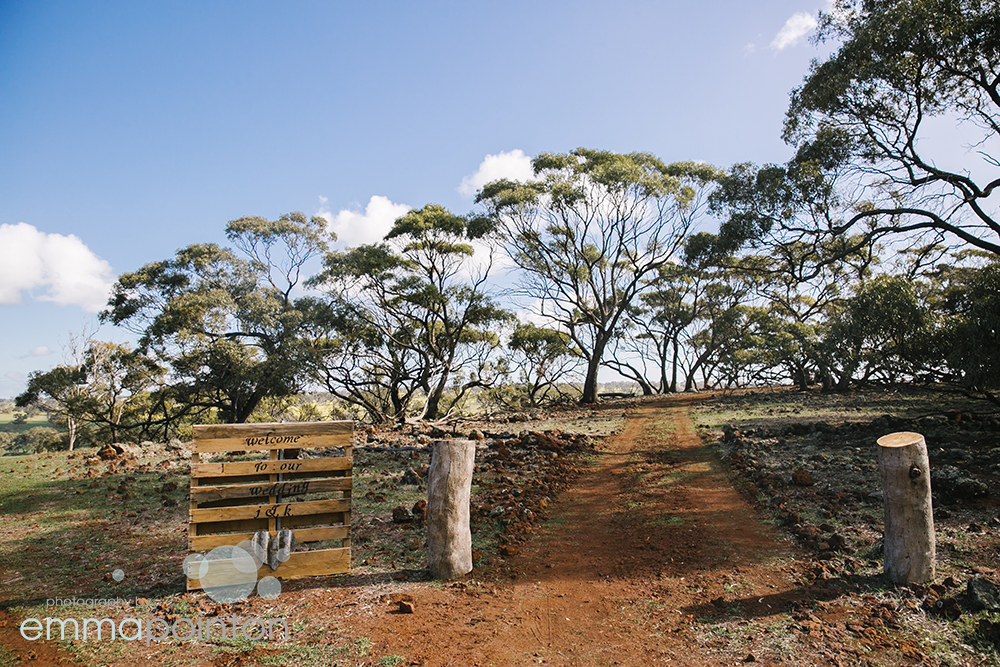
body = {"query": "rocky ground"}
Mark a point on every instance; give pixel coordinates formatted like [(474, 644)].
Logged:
[(616, 535), (817, 477)]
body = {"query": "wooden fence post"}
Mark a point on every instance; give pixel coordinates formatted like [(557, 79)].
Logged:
[(909, 549), (449, 491)]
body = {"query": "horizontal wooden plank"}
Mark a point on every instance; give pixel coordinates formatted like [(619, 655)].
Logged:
[(209, 542), (228, 502), (264, 437), (253, 525), (268, 511), (290, 488), (299, 564), (228, 468)]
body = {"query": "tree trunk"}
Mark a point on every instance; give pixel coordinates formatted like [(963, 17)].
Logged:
[(593, 365), (673, 373), (909, 520), (432, 410), (449, 490), (800, 377), (71, 427)]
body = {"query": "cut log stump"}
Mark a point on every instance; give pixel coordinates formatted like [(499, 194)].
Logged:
[(449, 490), (909, 547)]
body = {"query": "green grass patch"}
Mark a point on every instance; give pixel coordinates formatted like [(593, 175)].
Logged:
[(7, 658), (7, 422)]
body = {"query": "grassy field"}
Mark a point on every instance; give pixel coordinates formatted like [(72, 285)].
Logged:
[(7, 422)]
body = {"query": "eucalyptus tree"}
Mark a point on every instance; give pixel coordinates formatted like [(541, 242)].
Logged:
[(543, 363), (107, 391), (226, 322), (61, 392), (964, 293), (421, 305), (652, 348), (588, 231), (913, 84), (882, 333)]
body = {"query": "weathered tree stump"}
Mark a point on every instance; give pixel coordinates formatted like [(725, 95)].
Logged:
[(909, 547), (449, 490)]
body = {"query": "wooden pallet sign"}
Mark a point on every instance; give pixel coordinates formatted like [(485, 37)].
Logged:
[(247, 478)]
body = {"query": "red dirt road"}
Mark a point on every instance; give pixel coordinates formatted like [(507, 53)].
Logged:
[(652, 536)]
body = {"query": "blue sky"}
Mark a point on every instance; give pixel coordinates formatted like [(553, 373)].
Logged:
[(131, 129)]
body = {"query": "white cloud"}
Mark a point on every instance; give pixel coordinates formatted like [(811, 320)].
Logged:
[(514, 165), (63, 266), (354, 228), (795, 28), (40, 351)]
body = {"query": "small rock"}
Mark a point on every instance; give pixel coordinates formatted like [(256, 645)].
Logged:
[(405, 607), (107, 452), (836, 542), (401, 515), (989, 630), (982, 594), (808, 532), (802, 478), (947, 607), (419, 510)]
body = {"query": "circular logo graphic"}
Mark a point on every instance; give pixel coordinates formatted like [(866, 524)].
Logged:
[(229, 573)]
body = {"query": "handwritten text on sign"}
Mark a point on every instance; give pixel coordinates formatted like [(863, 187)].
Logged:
[(287, 467), (280, 489), (275, 511), (271, 439)]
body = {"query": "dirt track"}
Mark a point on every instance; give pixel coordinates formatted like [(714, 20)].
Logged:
[(651, 537), (649, 557)]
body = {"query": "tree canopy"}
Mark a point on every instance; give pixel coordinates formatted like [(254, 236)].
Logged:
[(906, 69), (587, 231), (418, 314), (225, 324)]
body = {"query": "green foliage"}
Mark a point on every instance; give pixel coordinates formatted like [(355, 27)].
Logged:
[(901, 64), (970, 332), (542, 363), (37, 439), (108, 393), (587, 232), (411, 314), (226, 325)]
